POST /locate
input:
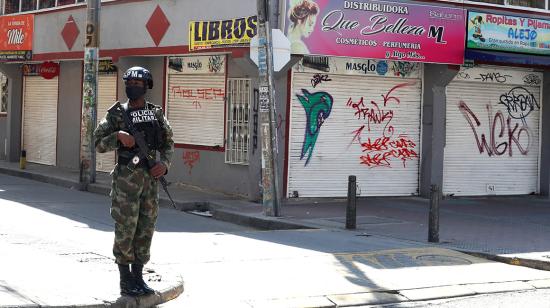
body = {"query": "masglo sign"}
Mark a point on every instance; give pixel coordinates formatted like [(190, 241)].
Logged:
[(508, 33), (222, 33), (377, 30)]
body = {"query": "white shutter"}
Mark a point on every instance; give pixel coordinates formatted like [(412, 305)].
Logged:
[(497, 166), (107, 93), (196, 102), (336, 154), (40, 119)]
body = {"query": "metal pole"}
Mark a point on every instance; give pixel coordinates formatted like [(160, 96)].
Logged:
[(433, 224), (351, 209), (89, 95), (268, 117)]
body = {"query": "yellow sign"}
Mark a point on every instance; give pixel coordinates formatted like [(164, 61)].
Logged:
[(235, 32)]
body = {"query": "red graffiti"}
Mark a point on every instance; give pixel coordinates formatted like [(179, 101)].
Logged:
[(380, 151), (191, 158), (499, 128), (200, 93)]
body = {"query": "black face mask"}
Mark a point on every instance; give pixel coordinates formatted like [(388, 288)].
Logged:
[(135, 92)]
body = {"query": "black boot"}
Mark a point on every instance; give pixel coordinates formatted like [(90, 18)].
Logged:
[(128, 285), (137, 272)]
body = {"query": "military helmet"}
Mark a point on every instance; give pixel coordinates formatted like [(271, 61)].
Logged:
[(139, 73)]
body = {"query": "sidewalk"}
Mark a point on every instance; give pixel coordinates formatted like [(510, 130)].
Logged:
[(514, 230)]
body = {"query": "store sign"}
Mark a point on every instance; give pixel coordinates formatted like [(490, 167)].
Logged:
[(322, 68), (16, 37), (48, 70), (222, 33), (508, 33), (376, 29), (190, 65), (106, 67)]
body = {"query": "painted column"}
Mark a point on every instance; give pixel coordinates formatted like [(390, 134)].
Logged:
[(545, 138), (436, 79), (15, 105), (89, 95)]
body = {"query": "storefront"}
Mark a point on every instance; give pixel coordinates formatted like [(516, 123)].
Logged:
[(354, 117), (361, 113), (493, 143), (493, 132), (40, 102), (196, 99)]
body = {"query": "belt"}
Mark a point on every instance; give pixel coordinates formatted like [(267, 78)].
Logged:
[(123, 160)]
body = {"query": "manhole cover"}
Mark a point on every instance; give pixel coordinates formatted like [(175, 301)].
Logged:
[(438, 260)]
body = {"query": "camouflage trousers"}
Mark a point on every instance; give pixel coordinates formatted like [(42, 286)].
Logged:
[(134, 207)]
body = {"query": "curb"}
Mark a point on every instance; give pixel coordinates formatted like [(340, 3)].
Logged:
[(530, 263), (223, 213), (160, 297)]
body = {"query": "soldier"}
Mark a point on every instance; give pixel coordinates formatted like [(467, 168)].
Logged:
[(134, 191)]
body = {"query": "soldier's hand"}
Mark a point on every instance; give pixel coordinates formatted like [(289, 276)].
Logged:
[(126, 139), (158, 170)]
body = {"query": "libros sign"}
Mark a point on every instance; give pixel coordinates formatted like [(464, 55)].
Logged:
[(376, 29)]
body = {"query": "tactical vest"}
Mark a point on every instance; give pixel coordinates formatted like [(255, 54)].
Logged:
[(144, 120)]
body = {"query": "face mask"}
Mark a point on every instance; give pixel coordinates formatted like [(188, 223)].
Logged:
[(135, 92)]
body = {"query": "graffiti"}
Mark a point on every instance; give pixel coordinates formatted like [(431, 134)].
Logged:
[(190, 159), (403, 69), (519, 102), (378, 152), (215, 64), (463, 75), (196, 94), (500, 129), (532, 80), (318, 78), (317, 107), (197, 104), (255, 121), (493, 77), (375, 114)]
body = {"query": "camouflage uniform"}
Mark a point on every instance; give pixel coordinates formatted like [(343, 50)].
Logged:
[(134, 194)]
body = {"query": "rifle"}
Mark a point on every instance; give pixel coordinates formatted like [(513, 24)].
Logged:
[(143, 149)]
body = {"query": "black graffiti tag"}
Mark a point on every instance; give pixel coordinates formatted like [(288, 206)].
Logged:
[(318, 78), (497, 77), (532, 80), (503, 134), (519, 103)]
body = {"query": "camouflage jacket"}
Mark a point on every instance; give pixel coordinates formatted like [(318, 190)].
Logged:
[(105, 135)]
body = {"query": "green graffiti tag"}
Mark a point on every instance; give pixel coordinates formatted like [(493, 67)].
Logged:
[(317, 107)]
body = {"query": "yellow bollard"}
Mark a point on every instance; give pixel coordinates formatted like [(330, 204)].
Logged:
[(23, 160)]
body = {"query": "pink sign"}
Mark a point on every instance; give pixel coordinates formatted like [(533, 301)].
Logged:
[(376, 30)]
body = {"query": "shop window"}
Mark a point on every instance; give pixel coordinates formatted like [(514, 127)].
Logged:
[(238, 114), (44, 4), (11, 6), (28, 5), (3, 94), (539, 4), (65, 2)]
